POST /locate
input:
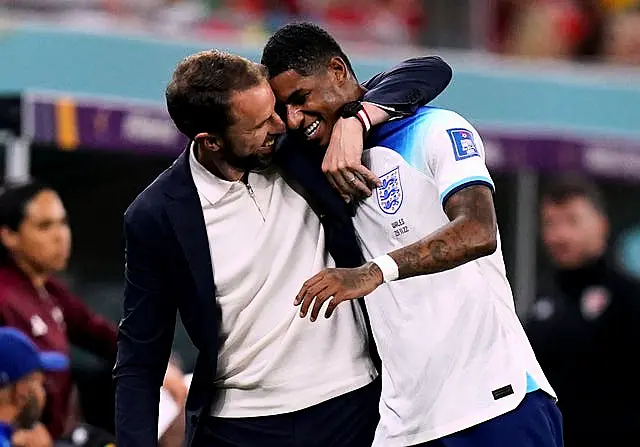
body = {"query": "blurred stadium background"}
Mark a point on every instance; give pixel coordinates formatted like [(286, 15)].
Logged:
[(553, 85)]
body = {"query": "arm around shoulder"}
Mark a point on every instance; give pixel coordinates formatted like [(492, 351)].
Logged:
[(412, 83), (146, 330)]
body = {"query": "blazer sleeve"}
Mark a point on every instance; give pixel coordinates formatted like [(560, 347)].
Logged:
[(412, 83), (146, 330)]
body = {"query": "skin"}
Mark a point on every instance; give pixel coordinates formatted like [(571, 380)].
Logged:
[(21, 405), (304, 100), (574, 232), (470, 234), (42, 243), (248, 142), (319, 97)]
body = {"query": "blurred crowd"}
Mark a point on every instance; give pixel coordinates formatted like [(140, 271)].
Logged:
[(606, 30)]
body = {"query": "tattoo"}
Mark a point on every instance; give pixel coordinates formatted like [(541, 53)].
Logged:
[(470, 234), (361, 277), (351, 281)]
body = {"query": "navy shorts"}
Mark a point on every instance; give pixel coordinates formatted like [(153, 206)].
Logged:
[(536, 422), (349, 420)]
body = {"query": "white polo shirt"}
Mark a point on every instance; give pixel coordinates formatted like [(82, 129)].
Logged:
[(265, 241), (453, 351)]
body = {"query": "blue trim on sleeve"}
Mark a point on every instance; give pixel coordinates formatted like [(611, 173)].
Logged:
[(532, 385), (464, 183)]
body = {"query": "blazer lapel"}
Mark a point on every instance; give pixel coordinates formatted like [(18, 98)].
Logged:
[(185, 214)]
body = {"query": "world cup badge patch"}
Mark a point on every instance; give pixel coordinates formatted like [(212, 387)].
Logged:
[(389, 193), (463, 144)]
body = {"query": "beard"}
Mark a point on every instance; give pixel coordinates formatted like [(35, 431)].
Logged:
[(29, 415), (253, 162)]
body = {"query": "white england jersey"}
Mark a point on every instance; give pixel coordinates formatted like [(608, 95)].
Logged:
[(454, 353)]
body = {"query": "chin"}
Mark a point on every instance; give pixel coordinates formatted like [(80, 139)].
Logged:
[(263, 164), (58, 265), (567, 263), (323, 141)]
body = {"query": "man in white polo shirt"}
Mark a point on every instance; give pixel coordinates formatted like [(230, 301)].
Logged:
[(457, 368), (223, 238)]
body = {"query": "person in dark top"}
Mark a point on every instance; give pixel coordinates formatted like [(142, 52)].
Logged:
[(35, 243), (22, 394), (584, 326)]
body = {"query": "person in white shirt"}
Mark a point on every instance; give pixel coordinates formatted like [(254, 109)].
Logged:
[(457, 367), (223, 238)]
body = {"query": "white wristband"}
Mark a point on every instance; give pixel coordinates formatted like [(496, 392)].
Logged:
[(388, 267), (364, 119)]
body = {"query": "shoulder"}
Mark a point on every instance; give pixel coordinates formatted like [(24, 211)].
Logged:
[(150, 202), (9, 278), (432, 120), (438, 119)]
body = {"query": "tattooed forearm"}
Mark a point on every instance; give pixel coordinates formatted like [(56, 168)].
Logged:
[(470, 234)]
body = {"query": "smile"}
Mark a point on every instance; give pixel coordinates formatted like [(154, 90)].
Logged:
[(269, 142), (311, 129)]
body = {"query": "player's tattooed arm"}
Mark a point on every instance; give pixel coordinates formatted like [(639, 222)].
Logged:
[(470, 234)]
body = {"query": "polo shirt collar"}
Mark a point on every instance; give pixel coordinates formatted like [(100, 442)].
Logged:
[(212, 187)]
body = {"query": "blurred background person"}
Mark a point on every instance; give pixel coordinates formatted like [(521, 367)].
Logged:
[(622, 39), (584, 325), (35, 244), (22, 394)]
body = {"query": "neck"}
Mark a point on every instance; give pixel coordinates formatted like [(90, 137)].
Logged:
[(213, 163), (37, 278), (353, 91)]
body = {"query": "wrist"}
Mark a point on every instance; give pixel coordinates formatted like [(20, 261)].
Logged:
[(374, 270), (388, 267), (352, 122), (356, 110), (376, 114)]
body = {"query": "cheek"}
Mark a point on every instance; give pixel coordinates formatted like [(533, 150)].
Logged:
[(66, 235), (41, 397), (331, 102), (36, 244)]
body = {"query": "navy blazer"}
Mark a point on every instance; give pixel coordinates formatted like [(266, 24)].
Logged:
[(169, 269)]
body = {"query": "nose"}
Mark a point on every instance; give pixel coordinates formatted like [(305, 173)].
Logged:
[(294, 117)]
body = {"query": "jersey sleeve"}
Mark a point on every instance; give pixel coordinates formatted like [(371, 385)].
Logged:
[(453, 154)]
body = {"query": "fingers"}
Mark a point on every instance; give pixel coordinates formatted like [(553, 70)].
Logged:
[(349, 183), (369, 177), (332, 306), (342, 185), (309, 284), (317, 297)]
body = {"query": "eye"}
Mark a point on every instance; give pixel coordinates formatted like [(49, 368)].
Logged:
[(299, 99)]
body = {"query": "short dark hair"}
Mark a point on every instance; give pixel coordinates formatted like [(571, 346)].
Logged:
[(200, 90), (562, 189), (14, 199), (303, 47)]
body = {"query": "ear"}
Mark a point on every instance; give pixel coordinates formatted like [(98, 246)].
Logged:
[(338, 70), (8, 238), (209, 142)]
